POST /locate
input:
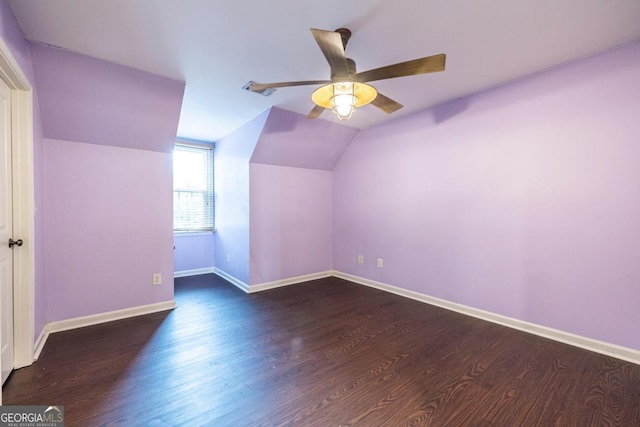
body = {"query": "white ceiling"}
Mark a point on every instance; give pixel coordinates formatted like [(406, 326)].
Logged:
[(216, 46)]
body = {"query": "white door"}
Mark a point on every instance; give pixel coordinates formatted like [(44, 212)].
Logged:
[(6, 229)]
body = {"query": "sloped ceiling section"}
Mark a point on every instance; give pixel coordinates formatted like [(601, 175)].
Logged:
[(83, 99), (218, 46), (290, 139)]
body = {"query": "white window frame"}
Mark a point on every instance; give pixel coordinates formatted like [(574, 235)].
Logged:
[(210, 189)]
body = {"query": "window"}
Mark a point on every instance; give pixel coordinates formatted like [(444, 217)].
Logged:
[(192, 188)]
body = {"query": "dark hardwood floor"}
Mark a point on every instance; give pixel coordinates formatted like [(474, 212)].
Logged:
[(325, 353)]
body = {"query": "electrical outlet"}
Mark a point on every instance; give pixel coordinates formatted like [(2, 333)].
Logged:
[(228, 257), (157, 279), (379, 262), (360, 259)]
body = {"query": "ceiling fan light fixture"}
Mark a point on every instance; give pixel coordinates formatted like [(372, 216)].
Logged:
[(344, 97), (344, 100)]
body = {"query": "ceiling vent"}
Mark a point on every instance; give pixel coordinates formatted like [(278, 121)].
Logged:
[(264, 92)]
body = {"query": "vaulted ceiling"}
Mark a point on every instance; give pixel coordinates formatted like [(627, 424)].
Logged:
[(216, 46)]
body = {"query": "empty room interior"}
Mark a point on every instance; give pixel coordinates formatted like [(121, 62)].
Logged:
[(363, 213)]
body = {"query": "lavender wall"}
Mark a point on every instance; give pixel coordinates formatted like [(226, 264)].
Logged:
[(273, 196), (231, 180), (86, 99), (290, 139), (193, 252), (108, 219), (13, 37), (291, 196), (523, 200), (108, 228), (291, 222)]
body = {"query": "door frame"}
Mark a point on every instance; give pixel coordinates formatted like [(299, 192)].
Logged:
[(23, 205)]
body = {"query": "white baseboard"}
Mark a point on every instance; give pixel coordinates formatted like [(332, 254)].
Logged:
[(290, 281), (271, 285), (95, 319), (236, 282), (194, 272), (39, 344), (624, 353)]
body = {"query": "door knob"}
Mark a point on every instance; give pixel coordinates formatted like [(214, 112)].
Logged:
[(13, 243)]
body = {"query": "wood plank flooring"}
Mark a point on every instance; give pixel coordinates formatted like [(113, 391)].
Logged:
[(325, 353)]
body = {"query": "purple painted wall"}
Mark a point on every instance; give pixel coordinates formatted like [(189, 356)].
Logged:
[(193, 251), (273, 196), (291, 222), (291, 196), (90, 100), (290, 139), (108, 228), (231, 180), (523, 200), (108, 219), (13, 37)]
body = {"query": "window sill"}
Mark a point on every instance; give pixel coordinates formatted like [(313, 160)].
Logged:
[(192, 233)]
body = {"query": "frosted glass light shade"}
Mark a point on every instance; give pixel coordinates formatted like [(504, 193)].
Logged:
[(344, 97)]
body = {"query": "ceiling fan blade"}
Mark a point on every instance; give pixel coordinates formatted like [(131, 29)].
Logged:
[(430, 64), (386, 104), (315, 112), (259, 87), (330, 44)]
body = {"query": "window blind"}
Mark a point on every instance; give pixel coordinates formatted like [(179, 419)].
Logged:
[(193, 204)]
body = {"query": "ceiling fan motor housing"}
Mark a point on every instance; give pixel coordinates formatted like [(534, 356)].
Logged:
[(345, 33), (351, 64)]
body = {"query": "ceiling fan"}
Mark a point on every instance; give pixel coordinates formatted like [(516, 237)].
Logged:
[(347, 89)]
